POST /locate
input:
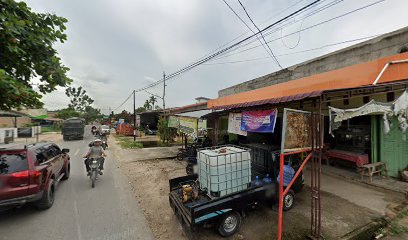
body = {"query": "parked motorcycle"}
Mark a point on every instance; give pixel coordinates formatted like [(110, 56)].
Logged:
[(94, 164)]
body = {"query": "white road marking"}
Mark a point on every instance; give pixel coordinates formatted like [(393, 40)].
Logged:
[(77, 221), (76, 152)]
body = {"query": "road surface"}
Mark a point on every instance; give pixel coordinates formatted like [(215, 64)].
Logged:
[(107, 212)]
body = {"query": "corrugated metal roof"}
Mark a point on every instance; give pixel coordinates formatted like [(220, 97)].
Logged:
[(354, 76), (272, 100)]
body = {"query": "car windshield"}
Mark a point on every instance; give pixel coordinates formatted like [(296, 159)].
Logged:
[(12, 162)]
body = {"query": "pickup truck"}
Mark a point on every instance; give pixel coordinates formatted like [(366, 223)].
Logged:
[(31, 173), (225, 212)]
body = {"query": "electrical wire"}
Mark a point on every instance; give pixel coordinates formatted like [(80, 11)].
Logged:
[(206, 59), (310, 27), (259, 31), (124, 101), (293, 53), (236, 14)]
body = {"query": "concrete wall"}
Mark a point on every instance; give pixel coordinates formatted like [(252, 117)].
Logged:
[(9, 121), (382, 46)]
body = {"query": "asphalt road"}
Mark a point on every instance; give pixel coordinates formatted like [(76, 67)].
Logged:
[(107, 212)]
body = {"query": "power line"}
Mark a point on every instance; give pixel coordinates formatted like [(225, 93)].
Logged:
[(259, 31), (293, 53), (236, 14), (310, 27), (211, 56), (124, 101)]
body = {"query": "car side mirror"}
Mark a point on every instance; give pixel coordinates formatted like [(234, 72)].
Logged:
[(65, 150)]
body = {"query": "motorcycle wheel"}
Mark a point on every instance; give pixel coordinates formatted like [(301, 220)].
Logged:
[(180, 156), (93, 178)]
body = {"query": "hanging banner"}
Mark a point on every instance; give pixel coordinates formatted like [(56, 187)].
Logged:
[(296, 130), (188, 126), (173, 122), (259, 121), (234, 124), (202, 127)]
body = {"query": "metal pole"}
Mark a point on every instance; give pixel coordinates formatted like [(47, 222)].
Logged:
[(134, 116), (164, 90), (280, 213)]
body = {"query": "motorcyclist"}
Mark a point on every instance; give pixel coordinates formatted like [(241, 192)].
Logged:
[(95, 151)]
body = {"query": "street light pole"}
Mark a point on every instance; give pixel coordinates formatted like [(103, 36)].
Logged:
[(134, 116), (164, 90)]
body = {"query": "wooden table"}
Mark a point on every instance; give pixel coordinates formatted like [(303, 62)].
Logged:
[(369, 170), (357, 158)]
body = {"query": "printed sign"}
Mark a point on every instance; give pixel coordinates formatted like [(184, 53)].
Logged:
[(173, 122), (137, 120), (234, 124), (188, 126), (259, 121), (296, 131), (202, 127)]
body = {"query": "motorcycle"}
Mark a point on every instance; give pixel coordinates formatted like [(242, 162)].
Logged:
[(94, 164)]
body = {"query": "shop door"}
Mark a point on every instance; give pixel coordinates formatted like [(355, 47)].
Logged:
[(394, 148)]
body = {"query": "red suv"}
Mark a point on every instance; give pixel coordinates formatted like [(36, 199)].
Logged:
[(30, 173)]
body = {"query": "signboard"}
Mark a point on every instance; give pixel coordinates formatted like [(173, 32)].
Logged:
[(296, 130), (234, 124), (173, 122), (137, 120), (259, 121), (202, 127), (188, 126)]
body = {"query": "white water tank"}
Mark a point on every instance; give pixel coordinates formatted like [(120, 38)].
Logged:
[(224, 170)]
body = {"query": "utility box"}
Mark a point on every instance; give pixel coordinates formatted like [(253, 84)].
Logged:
[(223, 170)]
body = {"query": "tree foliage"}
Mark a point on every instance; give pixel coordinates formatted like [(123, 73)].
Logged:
[(91, 114), (27, 52), (79, 99), (166, 134), (67, 113), (147, 105)]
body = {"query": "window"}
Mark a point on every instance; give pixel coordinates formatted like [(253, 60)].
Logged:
[(366, 99), (390, 96), (13, 162)]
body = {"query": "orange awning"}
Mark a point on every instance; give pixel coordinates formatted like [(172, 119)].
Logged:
[(358, 75)]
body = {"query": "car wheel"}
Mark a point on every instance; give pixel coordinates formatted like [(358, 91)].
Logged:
[(288, 200), (47, 199), (67, 172), (229, 224)]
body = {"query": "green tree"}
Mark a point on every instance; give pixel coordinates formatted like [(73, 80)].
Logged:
[(91, 114), (166, 134), (147, 105), (79, 99), (67, 113), (26, 51), (152, 101), (140, 109)]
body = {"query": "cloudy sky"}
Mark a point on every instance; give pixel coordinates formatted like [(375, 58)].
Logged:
[(115, 46)]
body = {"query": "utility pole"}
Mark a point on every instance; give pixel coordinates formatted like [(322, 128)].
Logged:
[(134, 115), (164, 90)]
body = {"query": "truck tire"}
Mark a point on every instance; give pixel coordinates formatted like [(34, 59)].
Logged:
[(229, 224), (47, 199), (289, 200), (67, 172)]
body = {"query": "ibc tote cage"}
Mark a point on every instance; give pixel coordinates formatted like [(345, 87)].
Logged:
[(231, 176)]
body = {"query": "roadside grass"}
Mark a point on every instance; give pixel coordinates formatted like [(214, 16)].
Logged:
[(127, 142), (396, 227), (50, 128)]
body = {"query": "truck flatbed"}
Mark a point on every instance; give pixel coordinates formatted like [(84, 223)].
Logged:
[(215, 210)]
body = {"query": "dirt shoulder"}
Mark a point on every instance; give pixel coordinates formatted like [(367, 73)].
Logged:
[(149, 181)]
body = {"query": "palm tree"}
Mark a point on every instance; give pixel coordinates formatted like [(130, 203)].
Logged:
[(147, 105), (153, 100)]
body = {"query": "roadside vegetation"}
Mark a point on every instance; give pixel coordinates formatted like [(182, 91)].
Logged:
[(50, 128), (127, 142)]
